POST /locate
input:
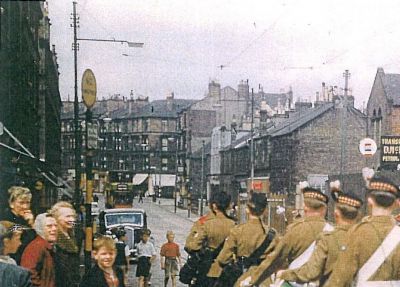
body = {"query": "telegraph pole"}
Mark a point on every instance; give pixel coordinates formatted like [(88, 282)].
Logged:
[(343, 129), (77, 136), (251, 140), (202, 180)]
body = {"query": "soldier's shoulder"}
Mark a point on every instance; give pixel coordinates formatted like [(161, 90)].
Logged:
[(203, 219), (364, 224), (296, 223)]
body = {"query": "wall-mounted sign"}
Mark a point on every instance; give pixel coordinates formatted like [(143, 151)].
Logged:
[(92, 136), (367, 147), (390, 152)]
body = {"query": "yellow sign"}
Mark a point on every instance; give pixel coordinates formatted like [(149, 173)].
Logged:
[(89, 88)]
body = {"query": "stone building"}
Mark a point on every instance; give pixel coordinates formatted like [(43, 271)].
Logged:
[(307, 143), (29, 101), (224, 107), (138, 141), (383, 111)]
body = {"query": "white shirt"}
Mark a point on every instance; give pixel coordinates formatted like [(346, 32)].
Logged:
[(146, 249)]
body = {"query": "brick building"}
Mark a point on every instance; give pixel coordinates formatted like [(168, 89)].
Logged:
[(29, 101)]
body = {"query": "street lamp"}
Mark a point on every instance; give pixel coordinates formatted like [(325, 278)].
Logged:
[(77, 133), (202, 178)]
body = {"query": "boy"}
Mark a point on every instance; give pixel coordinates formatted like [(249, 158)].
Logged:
[(170, 258), (103, 274), (122, 260), (146, 256)]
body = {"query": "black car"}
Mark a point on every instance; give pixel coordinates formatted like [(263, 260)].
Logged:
[(133, 220)]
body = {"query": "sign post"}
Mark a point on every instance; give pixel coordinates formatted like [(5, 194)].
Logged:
[(367, 147), (89, 92)]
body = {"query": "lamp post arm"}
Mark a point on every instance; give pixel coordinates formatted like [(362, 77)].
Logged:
[(130, 44)]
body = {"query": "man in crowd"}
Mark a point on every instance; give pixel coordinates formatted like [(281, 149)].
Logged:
[(372, 254), (297, 245), (319, 267), (209, 234)]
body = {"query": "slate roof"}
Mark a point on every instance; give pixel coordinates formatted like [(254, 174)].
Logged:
[(298, 119), (391, 83), (158, 109), (161, 108)]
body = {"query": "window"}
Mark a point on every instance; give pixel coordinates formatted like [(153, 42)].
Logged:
[(145, 125), (164, 144), (164, 125)]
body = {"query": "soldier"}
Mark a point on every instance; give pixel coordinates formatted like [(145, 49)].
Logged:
[(297, 245), (372, 255), (243, 241), (320, 265), (207, 237)]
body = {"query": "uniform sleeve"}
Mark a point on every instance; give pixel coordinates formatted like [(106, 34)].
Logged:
[(346, 266), (30, 260), (226, 254), (313, 268)]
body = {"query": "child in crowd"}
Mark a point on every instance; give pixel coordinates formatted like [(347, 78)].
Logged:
[(146, 256), (170, 258), (103, 274), (122, 260)]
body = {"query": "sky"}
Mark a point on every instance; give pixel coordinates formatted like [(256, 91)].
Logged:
[(276, 44)]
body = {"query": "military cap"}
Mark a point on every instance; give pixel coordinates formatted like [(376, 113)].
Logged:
[(314, 193), (349, 198), (382, 184)]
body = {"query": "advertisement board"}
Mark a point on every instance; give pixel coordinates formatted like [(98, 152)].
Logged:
[(390, 152)]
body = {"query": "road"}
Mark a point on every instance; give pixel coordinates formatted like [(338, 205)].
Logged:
[(160, 219)]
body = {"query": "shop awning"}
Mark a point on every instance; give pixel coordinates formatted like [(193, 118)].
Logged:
[(164, 180), (139, 178)]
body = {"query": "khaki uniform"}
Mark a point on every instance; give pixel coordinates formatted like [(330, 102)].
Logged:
[(299, 236), (242, 241), (320, 265), (210, 233), (363, 239), (191, 242)]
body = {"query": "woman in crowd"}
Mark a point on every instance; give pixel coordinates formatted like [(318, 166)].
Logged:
[(19, 213), (38, 255), (10, 240), (10, 273), (67, 252)]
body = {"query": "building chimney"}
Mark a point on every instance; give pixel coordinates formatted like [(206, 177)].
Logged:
[(323, 95), (170, 101)]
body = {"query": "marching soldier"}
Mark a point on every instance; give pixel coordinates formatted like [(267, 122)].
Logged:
[(320, 265), (207, 237), (372, 255), (246, 243), (296, 246)]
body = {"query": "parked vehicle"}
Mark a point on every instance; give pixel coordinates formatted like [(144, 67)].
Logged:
[(133, 220)]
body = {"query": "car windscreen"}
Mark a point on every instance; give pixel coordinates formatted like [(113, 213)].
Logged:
[(124, 218)]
